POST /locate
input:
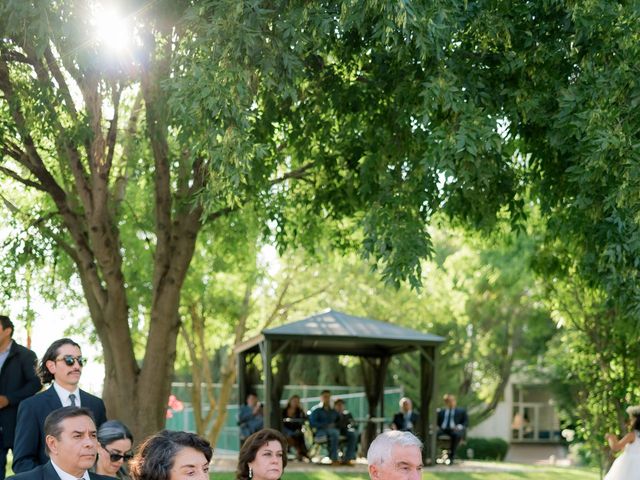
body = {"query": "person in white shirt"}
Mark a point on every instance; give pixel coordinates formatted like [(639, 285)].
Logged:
[(452, 422), (72, 446), (61, 365)]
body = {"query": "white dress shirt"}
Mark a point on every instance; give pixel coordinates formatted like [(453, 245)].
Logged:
[(67, 476), (63, 395)]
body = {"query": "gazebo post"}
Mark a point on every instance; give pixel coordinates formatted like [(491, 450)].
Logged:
[(428, 428), (242, 382), (432, 400), (242, 378), (382, 373), (265, 349)]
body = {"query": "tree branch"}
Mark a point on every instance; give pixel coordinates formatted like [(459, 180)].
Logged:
[(299, 173), (39, 223), (120, 185), (24, 181), (54, 68), (113, 125)]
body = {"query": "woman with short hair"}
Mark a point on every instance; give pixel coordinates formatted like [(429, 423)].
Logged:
[(263, 456), (169, 455)]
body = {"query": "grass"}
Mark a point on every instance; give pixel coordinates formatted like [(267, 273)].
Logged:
[(537, 474)]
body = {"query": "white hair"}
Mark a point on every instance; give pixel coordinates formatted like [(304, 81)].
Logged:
[(380, 449)]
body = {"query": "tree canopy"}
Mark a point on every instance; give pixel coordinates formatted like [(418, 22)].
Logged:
[(354, 122)]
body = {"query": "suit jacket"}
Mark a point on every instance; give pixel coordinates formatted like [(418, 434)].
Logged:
[(47, 472), (460, 417), (28, 447), (398, 421), (18, 381)]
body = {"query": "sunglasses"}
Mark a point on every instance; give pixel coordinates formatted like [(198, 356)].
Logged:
[(70, 360), (116, 457)]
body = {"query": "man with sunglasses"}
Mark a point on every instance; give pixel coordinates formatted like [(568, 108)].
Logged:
[(61, 366), (18, 381)]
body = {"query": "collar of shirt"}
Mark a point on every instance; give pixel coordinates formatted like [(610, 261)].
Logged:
[(67, 476), (4, 355), (63, 395), (6, 350)]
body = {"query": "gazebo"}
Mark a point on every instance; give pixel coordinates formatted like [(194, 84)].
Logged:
[(336, 333)]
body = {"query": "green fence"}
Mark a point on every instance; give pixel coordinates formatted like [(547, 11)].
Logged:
[(354, 398)]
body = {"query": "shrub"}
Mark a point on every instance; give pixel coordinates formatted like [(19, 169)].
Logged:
[(484, 449)]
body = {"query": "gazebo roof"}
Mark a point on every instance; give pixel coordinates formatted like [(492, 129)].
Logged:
[(336, 333)]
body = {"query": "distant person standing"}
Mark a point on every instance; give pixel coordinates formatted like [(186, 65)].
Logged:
[(61, 366), (18, 381), (452, 421), (406, 419)]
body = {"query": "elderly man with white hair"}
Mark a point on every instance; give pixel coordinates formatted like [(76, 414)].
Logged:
[(395, 455)]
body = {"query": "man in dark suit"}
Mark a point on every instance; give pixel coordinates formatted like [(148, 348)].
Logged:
[(18, 380), (70, 442), (452, 421), (61, 365), (406, 419)]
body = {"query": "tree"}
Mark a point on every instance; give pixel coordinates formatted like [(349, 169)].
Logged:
[(353, 122), (63, 138), (200, 116)]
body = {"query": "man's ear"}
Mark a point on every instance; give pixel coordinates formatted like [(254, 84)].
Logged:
[(51, 366), (52, 444), (374, 472)]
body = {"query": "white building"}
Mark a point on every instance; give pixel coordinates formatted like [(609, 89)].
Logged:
[(527, 419)]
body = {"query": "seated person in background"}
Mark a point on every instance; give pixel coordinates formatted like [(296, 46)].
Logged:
[(406, 419), (452, 421), (347, 428), (250, 417), (293, 418), (323, 419)]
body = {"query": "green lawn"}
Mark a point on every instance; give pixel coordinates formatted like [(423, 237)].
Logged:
[(539, 474)]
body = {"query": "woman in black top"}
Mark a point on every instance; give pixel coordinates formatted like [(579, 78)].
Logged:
[(293, 419)]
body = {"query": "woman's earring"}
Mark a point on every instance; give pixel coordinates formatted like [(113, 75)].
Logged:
[(250, 473)]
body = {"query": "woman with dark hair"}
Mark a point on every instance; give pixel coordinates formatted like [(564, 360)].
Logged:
[(293, 419), (114, 450), (627, 465), (263, 456), (171, 455)]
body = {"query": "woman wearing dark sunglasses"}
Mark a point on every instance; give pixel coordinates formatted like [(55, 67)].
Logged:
[(114, 450)]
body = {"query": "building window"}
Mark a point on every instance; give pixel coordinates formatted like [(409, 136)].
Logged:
[(534, 418)]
